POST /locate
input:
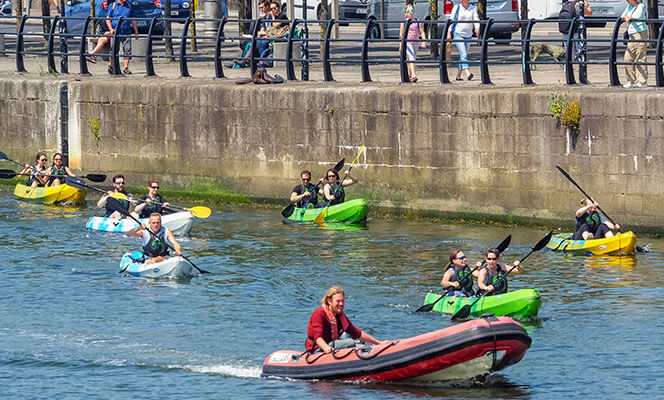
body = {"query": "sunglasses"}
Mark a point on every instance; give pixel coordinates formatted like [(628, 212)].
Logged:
[(306, 179), (57, 159), (119, 183), (462, 258), (154, 187), (491, 258), (410, 10), (273, 8), (331, 176), (42, 159)]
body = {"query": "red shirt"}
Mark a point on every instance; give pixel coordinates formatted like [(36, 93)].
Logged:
[(320, 326)]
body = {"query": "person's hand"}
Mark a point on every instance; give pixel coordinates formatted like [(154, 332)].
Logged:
[(178, 252), (143, 226), (26, 166), (456, 285), (490, 288), (449, 36), (478, 264), (133, 202), (321, 180), (327, 349), (165, 205), (307, 194), (617, 227)]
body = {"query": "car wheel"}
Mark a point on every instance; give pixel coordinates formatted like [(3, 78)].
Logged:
[(374, 32)]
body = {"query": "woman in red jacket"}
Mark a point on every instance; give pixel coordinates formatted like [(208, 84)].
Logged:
[(328, 322)]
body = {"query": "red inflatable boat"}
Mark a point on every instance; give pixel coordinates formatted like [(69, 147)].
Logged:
[(462, 351)]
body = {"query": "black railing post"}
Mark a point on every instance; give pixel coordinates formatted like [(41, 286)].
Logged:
[(62, 34), (327, 69), (115, 49), (149, 64), (253, 48), (484, 65), (290, 67), (20, 66), (50, 59), (218, 66), (525, 54), (614, 80), (83, 49), (444, 77), (366, 77), (659, 72), (569, 69), (184, 70), (403, 68)]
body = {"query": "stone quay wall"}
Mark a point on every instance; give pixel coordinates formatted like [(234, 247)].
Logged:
[(480, 152)]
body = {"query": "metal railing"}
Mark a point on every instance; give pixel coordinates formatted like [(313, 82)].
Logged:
[(359, 55)]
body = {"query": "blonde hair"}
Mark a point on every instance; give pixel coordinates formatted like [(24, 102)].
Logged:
[(331, 292)]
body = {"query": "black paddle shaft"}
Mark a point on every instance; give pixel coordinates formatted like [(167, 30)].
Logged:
[(562, 171), (115, 205)]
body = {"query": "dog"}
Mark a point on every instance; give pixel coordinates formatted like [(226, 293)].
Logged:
[(557, 52)]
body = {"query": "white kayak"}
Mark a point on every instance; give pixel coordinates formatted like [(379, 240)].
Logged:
[(179, 223), (171, 268)]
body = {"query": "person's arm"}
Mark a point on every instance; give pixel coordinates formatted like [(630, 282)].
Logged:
[(519, 267), (348, 179), (446, 279), (401, 29), (366, 338), (423, 34), (137, 232), (294, 197), (587, 10), (480, 281), (134, 23), (68, 171), (583, 210), (27, 169), (323, 345), (140, 207), (102, 201), (449, 31), (176, 245), (476, 17), (42, 179), (326, 192)]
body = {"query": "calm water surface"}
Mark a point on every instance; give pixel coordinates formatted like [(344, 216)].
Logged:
[(72, 327)]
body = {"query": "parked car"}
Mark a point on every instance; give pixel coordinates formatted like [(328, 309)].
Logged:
[(499, 10), (5, 8), (77, 10), (348, 9)]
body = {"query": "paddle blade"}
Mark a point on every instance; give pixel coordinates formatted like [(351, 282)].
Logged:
[(320, 218), (200, 211), (7, 174), (288, 211), (543, 242), (463, 313), (425, 308), (116, 205), (75, 182), (504, 244), (340, 164), (3, 156), (95, 177), (118, 196)]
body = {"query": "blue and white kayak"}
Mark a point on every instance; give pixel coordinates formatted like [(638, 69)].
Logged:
[(171, 268), (179, 223)]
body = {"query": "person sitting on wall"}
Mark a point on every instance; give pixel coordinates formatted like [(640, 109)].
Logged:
[(590, 224)]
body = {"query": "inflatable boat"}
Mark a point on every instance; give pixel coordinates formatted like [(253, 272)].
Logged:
[(462, 351)]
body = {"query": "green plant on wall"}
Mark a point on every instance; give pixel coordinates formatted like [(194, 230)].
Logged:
[(93, 123), (566, 113), (556, 103)]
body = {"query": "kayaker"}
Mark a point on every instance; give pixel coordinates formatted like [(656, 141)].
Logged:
[(328, 322), (118, 187), (333, 190), (155, 245), (37, 171), (590, 224), (305, 193), (457, 279), (59, 170), (152, 202), (489, 277)]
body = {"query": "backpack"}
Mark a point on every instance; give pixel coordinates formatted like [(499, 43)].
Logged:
[(566, 12)]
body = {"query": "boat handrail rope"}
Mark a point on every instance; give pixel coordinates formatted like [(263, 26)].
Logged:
[(361, 357)]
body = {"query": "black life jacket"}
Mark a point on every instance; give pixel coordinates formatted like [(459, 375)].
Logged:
[(338, 192), (154, 247), (306, 200), (152, 206), (593, 220), (464, 277), (499, 285)]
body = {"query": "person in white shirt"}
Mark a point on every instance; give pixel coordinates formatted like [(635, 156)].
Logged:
[(636, 52), (462, 33)]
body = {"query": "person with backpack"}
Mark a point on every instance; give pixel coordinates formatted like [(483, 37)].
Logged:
[(569, 10)]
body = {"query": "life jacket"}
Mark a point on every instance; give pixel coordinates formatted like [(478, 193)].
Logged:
[(338, 192), (35, 171), (125, 205), (499, 285), (464, 277), (305, 201), (152, 206), (593, 220), (153, 247), (60, 173)]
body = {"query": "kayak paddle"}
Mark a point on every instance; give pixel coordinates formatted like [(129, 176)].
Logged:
[(320, 218), (115, 205), (501, 247), (464, 312), (8, 174), (562, 171), (288, 211), (3, 156)]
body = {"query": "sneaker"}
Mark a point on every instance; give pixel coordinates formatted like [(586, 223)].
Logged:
[(627, 85), (413, 79), (126, 71), (91, 59), (110, 70), (470, 76), (641, 85)]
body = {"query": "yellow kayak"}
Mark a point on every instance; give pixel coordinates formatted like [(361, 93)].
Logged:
[(50, 194), (619, 244)]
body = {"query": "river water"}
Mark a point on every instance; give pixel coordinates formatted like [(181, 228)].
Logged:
[(72, 327)]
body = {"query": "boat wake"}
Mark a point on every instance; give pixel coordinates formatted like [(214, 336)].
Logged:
[(235, 370)]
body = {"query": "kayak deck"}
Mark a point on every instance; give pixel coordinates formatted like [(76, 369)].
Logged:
[(520, 304), (171, 268), (180, 223), (352, 212), (619, 244)]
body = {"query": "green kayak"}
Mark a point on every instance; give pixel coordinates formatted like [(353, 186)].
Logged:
[(351, 211), (520, 304)]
